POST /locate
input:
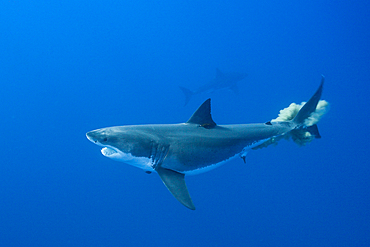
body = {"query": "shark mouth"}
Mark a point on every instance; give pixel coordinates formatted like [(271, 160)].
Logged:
[(106, 151)]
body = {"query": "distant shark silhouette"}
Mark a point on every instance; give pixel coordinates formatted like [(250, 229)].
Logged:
[(200, 145), (221, 81)]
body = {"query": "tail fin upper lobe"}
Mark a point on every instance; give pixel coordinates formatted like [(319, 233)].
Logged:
[(309, 107)]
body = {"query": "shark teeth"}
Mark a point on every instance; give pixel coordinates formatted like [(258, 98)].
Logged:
[(108, 151)]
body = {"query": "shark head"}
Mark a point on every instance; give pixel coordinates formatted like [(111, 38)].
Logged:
[(125, 145)]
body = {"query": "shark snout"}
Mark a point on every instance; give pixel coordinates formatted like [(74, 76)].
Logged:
[(98, 137), (90, 137)]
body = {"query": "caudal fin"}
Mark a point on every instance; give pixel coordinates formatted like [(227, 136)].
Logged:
[(310, 107), (188, 94), (305, 116)]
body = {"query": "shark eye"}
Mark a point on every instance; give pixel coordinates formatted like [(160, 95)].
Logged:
[(105, 139)]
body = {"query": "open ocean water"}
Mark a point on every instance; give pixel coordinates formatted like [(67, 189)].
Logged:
[(68, 67)]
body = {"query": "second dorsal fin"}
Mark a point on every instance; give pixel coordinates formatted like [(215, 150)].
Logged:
[(202, 116)]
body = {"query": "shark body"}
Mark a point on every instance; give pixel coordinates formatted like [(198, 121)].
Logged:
[(199, 145), (221, 81)]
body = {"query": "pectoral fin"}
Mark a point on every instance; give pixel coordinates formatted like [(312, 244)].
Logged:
[(175, 183)]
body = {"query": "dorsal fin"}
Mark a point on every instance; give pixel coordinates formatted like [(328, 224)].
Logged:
[(202, 116)]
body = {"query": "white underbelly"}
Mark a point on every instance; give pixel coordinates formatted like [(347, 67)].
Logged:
[(242, 154), (208, 168)]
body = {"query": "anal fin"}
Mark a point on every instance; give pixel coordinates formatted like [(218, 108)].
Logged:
[(175, 183)]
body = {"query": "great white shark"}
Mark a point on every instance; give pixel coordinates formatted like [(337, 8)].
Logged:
[(196, 146), (221, 81)]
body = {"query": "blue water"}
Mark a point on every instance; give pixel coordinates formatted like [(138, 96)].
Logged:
[(68, 67)]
